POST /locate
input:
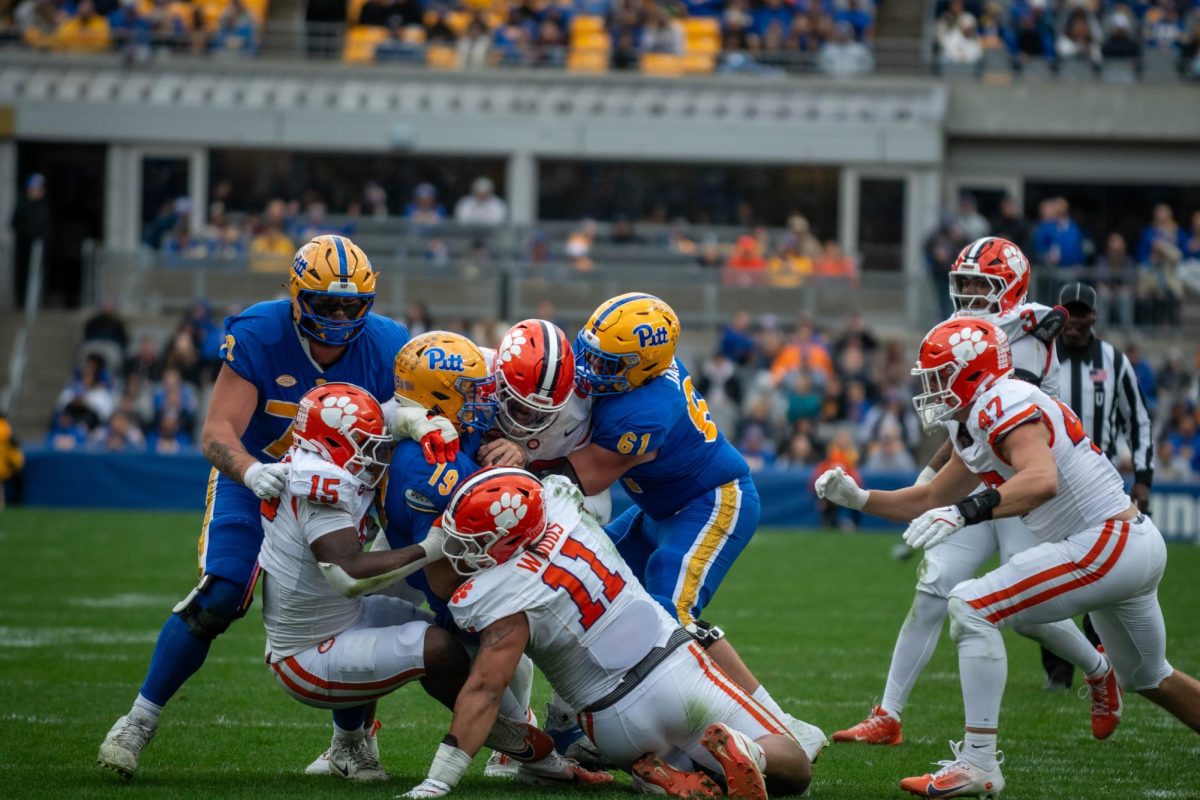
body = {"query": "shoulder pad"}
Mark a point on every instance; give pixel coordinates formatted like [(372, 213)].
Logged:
[(420, 501)]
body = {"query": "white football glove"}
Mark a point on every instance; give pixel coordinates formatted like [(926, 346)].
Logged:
[(434, 542), (934, 527), (835, 485), (427, 788), (265, 480), (437, 436)]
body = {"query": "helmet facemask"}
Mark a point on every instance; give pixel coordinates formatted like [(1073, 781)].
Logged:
[(521, 418), (937, 402), (478, 410), (598, 372), (317, 310), (372, 455), (968, 303)]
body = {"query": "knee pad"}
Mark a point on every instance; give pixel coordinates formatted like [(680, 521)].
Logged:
[(211, 607), (705, 633), (966, 621)]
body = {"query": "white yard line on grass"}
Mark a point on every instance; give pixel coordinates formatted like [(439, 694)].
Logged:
[(125, 600), (57, 637)]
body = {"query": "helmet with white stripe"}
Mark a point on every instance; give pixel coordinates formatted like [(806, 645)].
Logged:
[(535, 375), (990, 275), (493, 516)]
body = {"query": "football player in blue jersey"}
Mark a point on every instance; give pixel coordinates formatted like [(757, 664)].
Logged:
[(696, 506), (273, 353)]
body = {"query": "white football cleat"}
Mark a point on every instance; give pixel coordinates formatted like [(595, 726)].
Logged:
[(500, 766), (354, 760), (321, 765), (958, 778), (123, 745), (811, 738)]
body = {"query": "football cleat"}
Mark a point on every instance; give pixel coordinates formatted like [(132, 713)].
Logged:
[(571, 741), (741, 759), (879, 727), (958, 778), (123, 745), (321, 765), (500, 766), (652, 775), (354, 760), (554, 770), (812, 739), (1106, 703)]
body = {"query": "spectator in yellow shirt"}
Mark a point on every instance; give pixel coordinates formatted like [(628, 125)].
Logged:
[(790, 267), (12, 460), (271, 250), (86, 32)]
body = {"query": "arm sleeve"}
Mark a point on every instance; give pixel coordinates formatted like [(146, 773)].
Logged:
[(1131, 406)]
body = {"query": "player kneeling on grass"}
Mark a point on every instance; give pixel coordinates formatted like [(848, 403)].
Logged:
[(537, 575), (328, 646), (1096, 553)]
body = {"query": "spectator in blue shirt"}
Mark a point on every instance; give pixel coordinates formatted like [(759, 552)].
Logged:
[(772, 11), (1057, 240), (236, 30), (1162, 226), (737, 341), (425, 211), (856, 14), (1145, 376)]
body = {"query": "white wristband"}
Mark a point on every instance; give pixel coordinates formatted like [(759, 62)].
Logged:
[(925, 476), (449, 765)]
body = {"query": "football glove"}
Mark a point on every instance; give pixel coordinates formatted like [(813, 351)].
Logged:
[(438, 439), (934, 527), (427, 788), (838, 487), (265, 480)]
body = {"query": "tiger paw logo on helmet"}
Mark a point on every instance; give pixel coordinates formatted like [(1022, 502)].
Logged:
[(508, 511), (967, 344), (510, 346), (338, 412)]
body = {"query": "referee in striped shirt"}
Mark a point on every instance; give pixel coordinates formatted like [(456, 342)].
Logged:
[(1098, 383)]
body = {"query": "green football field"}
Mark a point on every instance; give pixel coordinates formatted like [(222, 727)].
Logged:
[(82, 596)]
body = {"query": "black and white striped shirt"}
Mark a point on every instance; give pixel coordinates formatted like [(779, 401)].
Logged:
[(1102, 389)]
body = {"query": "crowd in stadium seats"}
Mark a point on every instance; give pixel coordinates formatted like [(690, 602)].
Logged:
[(1139, 283), (139, 28), (692, 36), (1069, 36)]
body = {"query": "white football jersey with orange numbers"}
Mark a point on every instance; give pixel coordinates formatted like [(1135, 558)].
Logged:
[(590, 620), (300, 608), (1090, 490), (1029, 353)]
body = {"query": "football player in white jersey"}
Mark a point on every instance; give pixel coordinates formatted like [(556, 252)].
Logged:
[(538, 575), (329, 646), (989, 280), (1095, 551)]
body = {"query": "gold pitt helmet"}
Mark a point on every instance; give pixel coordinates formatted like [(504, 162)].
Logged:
[(627, 342), (331, 276), (446, 373)]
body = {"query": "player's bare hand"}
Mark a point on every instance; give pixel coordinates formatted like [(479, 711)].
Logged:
[(502, 453), (427, 788), (838, 487), (437, 436), (265, 480), (934, 527)]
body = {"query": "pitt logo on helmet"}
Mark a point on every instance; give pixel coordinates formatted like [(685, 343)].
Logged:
[(439, 359), (651, 337)]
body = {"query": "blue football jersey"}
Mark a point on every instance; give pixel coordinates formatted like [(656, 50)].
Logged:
[(670, 416), (417, 493), (263, 345)]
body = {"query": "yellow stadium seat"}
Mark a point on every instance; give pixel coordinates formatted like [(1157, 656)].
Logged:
[(698, 63), (705, 45), (458, 21), (586, 25), (440, 57), (353, 9), (412, 34), (361, 41), (591, 41), (701, 26), (592, 61), (662, 64)]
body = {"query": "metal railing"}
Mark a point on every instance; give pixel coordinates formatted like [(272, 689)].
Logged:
[(20, 351)]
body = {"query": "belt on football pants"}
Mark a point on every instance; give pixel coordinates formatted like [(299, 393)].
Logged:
[(639, 671)]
